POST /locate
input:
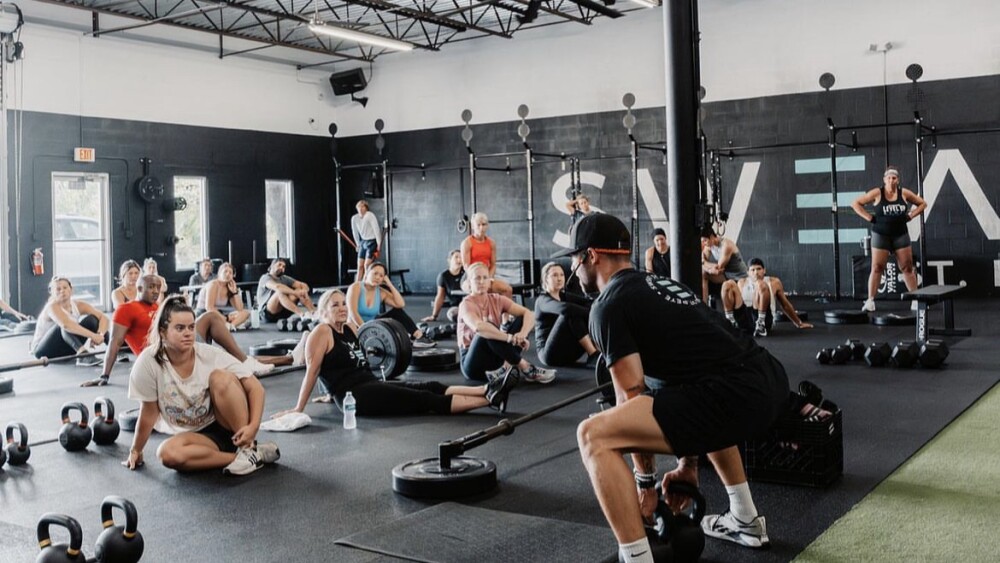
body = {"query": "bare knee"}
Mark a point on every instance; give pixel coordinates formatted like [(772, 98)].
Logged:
[(170, 455), (589, 436), (219, 379)]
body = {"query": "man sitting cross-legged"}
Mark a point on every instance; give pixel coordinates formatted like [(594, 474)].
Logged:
[(280, 296)]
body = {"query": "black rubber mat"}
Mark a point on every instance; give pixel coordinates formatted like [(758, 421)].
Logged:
[(455, 533)]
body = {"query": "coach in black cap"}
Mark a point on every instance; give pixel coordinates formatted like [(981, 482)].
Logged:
[(719, 388)]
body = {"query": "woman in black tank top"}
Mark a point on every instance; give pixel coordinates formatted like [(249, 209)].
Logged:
[(334, 356), (889, 217)]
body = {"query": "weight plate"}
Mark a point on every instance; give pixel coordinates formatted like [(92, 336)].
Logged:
[(6, 385), (424, 478), (845, 317), (266, 350), (287, 344), (127, 420), (434, 359), (387, 347), (150, 189), (892, 319)]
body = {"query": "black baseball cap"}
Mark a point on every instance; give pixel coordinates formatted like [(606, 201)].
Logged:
[(600, 231)]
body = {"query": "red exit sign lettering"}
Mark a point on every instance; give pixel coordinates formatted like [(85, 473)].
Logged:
[(84, 154)]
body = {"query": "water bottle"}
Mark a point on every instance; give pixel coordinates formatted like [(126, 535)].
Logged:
[(350, 405), (255, 319)]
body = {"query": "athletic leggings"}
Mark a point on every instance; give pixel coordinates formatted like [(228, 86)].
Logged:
[(378, 398), (59, 342), (401, 316), (484, 354), (563, 345)]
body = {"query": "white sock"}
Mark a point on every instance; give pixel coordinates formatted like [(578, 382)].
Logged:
[(636, 552), (741, 503)]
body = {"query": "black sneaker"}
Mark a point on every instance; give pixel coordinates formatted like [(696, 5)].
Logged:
[(499, 389)]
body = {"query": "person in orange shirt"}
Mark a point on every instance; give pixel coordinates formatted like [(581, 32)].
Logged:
[(478, 248)]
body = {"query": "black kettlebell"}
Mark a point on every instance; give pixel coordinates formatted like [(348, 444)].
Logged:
[(75, 436), (682, 532), (60, 553), (17, 452), (105, 425), (118, 544)]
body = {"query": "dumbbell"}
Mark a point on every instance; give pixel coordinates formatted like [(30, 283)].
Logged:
[(105, 426), (840, 355), (282, 325), (119, 544), (17, 452), (75, 436), (61, 552), (877, 354), (933, 353), (857, 348), (825, 356), (905, 354)]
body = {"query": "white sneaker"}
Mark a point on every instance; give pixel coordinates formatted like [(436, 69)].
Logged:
[(494, 374), (256, 366), (89, 362), (423, 342), (727, 527), (247, 461), (539, 375), (268, 452), (299, 353), (230, 327), (869, 306)]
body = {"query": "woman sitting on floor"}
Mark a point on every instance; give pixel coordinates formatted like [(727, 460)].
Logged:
[(561, 333), (68, 326), (128, 277), (488, 348), (365, 300), (206, 398), (223, 295), (333, 355)]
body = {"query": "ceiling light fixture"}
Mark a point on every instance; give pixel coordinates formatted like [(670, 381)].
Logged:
[(647, 3), (323, 28)]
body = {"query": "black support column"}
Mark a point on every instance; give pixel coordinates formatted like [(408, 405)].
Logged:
[(680, 36)]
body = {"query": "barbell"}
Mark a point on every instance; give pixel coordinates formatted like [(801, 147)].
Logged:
[(44, 361)]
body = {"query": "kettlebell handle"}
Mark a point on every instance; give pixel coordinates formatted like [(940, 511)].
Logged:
[(22, 431), (75, 532), (131, 514), (84, 413), (690, 491), (98, 411)]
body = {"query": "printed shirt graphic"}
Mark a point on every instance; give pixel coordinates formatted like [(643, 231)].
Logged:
[(184, 403)]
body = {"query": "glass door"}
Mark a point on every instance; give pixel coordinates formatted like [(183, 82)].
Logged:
[(80, 234)]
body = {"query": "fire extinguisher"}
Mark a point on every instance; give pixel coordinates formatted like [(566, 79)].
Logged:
[(38, 262)]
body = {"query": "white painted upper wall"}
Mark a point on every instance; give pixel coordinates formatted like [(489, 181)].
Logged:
[(750, 48)]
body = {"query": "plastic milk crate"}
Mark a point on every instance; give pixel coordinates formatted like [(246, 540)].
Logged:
[(798, 452)]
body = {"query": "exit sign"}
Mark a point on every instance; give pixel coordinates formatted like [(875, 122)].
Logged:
[(84, 154)]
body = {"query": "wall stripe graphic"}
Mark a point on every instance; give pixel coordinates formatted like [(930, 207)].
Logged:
[(844, 199), (822, 165), (825, 236)]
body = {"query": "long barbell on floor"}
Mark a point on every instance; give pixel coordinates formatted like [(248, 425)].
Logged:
[(44, 361), (453, 475)]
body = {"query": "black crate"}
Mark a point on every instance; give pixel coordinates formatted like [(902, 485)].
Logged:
[(797, 452)]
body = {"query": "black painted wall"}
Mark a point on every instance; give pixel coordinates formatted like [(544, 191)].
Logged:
[(428, 208), (235, 163)]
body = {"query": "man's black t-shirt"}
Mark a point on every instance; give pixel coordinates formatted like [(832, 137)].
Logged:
[(451, 282), (678, 338)]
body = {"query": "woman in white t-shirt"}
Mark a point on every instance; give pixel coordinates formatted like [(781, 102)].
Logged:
[(206, 398)]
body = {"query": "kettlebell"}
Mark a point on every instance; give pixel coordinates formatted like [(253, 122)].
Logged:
[(75, 436), (682, 532), (60, 553), (118, 544), (105, 426), (17, 452)]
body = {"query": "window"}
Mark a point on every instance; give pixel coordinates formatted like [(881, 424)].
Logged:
[(190, 223), (280, 218)]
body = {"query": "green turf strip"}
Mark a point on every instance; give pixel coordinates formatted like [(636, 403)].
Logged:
[(943, 504)]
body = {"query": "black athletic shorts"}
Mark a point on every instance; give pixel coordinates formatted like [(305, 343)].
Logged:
[(723, 410), (886, 242), (269, 317), (223, 438)]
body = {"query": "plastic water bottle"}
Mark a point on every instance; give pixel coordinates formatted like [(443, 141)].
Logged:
[(350, 405), (255, 318)]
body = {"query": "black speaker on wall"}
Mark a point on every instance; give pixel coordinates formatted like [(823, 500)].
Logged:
[(348, 81)]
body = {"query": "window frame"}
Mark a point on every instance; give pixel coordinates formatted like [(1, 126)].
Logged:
[(289, 192), (203, 220)]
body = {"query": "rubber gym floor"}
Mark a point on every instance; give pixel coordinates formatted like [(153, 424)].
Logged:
[(331, 483)]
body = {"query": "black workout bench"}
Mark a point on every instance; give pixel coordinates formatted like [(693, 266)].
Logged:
[(932, 295), (403, 288)]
